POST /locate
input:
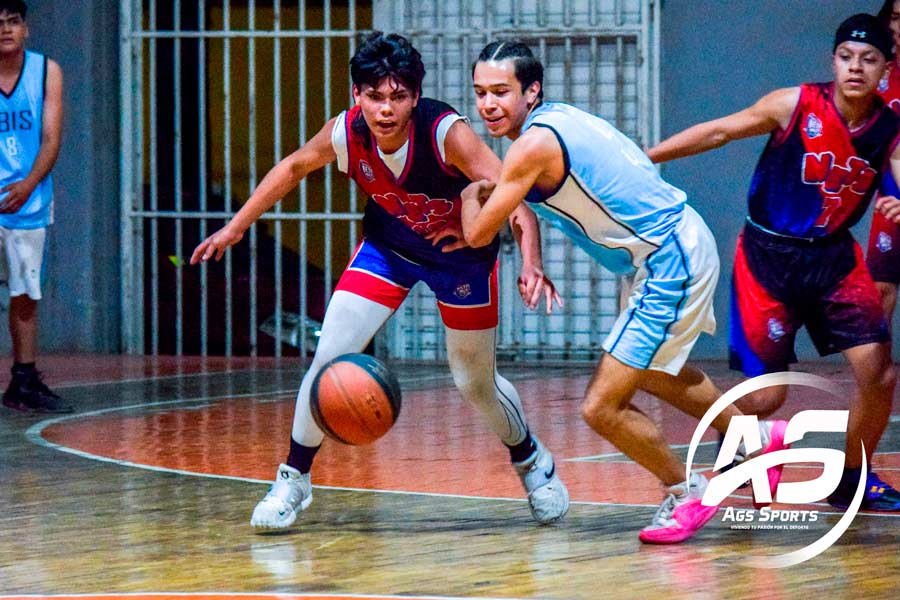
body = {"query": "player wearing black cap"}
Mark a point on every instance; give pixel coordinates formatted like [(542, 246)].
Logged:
[(796, 262)]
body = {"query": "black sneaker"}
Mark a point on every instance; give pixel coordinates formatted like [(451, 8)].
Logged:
[(879, 496), (27, 392)]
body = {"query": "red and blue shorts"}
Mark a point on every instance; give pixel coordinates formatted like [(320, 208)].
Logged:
[(781, 284), (466, 295)]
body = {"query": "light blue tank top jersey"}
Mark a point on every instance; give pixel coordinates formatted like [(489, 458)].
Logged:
[(21, 115), (612, 202)]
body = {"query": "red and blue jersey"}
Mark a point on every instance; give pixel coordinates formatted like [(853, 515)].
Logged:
[(816, 178), (424, 198), (889, 88)]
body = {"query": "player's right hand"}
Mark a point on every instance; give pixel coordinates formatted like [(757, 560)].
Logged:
[(216, 244)]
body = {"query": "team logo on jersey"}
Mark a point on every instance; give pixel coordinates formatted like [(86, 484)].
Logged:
[(883, 84), (813, 126), (366, 169), (463, 291), (884, 243), (419, 212), (820, 169), (776, 329)]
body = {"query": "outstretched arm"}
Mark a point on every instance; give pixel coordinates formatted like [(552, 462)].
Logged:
[(771, 112), (283, 177)]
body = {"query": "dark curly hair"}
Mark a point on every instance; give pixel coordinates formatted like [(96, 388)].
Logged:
[(389, 55), (382, 56)]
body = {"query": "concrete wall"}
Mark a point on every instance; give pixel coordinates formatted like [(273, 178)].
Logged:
[(721, 63)]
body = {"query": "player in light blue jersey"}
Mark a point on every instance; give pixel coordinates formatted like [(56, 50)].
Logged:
[(30, 128), (589, 180)]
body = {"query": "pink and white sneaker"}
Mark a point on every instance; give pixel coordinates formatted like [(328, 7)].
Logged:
[(774, 431), (681, 514)]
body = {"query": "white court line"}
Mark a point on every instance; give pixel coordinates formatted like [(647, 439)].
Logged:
[(33, 434), (78, 384)]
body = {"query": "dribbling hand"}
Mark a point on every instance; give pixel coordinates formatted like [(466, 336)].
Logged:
[(216, 244)]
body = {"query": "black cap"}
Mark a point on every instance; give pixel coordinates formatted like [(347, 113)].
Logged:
[(867, 29)]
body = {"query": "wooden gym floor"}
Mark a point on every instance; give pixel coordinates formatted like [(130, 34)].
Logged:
[(146, 492)]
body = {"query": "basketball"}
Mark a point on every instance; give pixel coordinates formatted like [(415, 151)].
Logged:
[(355, 399)]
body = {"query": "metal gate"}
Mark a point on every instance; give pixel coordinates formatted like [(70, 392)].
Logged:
[(215, 92)]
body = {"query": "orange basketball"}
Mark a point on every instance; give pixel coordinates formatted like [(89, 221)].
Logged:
[(355, 399)]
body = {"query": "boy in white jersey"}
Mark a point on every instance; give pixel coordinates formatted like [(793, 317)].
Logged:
[(30, 126), (594, 184)]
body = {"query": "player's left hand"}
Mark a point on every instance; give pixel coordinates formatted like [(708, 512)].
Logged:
[(533, 284), (17, 194), (451, 231), (889, 206)]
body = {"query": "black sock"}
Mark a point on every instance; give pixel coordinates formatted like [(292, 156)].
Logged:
[(301, 457), (522, 450), (23, 367)]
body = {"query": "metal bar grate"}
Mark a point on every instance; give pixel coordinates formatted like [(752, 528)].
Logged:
[(214, 93)]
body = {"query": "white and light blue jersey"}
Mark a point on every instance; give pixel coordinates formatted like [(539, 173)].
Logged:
[(612, 201), (21, 114)]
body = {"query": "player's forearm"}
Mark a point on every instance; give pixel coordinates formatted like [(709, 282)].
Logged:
[(477, 230), (43, 163), (694, 140), (527, 233), (277, 183)]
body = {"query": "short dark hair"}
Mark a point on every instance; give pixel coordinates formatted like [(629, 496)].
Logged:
[(390, 55), (14, 7), (528, 69)]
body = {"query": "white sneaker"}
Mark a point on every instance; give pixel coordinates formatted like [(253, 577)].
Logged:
[(547, 495), (290, 494)]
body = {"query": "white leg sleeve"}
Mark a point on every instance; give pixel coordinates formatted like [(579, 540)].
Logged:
[(349, 325), (471, 357)]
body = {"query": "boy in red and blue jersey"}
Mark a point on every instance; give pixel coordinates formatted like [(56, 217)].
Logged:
[(796, 262), (883, 253), (411, 156)]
